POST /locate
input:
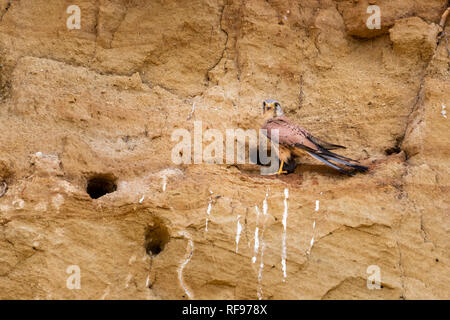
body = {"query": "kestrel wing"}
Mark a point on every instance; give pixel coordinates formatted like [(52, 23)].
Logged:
[(289, 134)]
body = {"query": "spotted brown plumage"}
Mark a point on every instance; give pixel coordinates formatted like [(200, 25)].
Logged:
[(294, 140)]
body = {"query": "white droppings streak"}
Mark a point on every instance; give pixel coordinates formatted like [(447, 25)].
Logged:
[(238, 232), (127, 282), (192, 112), (141, 199), (261, 267), (263, 243), (164, 183), (189, 253), (311, 243), (105, 294), (285, 215), (263, 246), (256, 246), (265, 205), (208, 211), (444, 112)]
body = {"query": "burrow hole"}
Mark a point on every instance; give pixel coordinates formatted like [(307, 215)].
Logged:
[(156, 238), (393, 150), (101, 184), (396, 148)]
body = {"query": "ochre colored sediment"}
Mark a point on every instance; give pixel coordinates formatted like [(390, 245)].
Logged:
[(104, 100)]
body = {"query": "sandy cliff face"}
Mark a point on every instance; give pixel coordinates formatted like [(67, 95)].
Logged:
[(96, 107)]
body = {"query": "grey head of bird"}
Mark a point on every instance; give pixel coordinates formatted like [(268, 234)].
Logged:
[(271, 108)]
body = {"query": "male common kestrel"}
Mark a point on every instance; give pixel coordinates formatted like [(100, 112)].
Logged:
[(294, 140)]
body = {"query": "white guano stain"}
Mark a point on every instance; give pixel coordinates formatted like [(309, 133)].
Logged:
[(208, 211), (141, 199), (285, 215), (265, 205), (105, 294), (164, 178), (311, 243), (443, 111), (191, 113), (256, 247), (261, 267), (256, 238), (127, 281), (238, 232), (189, 253), (263, 246), (165, 175)]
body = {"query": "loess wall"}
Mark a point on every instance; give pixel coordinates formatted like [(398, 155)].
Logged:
[(102, 102)]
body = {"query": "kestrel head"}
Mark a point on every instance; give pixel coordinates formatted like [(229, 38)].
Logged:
[(271, 108)]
